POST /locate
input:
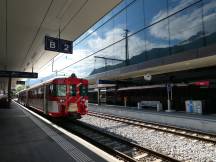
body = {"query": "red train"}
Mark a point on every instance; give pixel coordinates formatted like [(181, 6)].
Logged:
[(59, 97)]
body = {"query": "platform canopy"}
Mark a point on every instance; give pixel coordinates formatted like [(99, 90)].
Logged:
[(24, 24)]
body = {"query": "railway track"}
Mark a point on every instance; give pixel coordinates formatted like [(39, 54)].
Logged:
[(207, 137), (122, 148)]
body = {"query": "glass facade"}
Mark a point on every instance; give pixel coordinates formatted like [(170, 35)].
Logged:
[(135, 16), (140, 30), (209, 20), (154, 11), (186, 29)]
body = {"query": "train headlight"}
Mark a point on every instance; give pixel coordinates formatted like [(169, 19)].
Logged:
[(86, 103), (61, 100)]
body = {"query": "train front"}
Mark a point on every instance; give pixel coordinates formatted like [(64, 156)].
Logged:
[(77, 97)]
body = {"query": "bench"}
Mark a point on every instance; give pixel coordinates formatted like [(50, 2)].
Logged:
[(156, 104)]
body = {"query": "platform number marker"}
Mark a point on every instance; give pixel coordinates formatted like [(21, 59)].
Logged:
[(58, 45)]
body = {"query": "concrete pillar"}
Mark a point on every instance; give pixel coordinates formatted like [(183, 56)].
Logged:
[(169, 98)]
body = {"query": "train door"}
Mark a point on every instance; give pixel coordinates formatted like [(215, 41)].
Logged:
[(45, 98), (26, 98)]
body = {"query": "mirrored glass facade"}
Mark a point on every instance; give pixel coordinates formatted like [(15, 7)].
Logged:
[(137, 31)]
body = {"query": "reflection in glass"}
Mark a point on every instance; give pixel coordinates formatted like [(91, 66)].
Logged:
[(135, 16), (209, 11), (109, 58), (105, 34), (186, 29), (154, 11), (157, 40), (177, 5), (136, 48), (119, 26), (101, 59), (119, 50)]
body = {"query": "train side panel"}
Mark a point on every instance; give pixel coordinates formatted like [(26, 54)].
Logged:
[(36, 98)]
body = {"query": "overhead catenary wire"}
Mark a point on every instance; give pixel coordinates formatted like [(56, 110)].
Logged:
[(63, 28), (39, 28)]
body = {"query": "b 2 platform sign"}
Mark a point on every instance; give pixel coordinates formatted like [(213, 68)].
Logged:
[(58, 45)]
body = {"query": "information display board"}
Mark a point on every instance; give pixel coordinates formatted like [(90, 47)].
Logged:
[(18, 74), (20, 82)]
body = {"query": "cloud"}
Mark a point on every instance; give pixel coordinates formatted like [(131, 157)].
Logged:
[(98, 42), (179, 25), (160, 30), (178, 6), (184, 24), (210, 17)]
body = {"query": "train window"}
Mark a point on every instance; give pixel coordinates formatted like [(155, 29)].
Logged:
[(73, 90), (40, 90), (51, 90), (34, 92), (83, 90), (60, 90)]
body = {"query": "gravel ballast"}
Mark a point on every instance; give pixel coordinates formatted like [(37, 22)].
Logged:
[(178, 147)]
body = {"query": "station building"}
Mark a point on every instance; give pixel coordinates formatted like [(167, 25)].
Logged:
[(150, 50)]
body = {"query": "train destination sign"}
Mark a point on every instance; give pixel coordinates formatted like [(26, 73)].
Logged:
[(18, 74), (58, 45)]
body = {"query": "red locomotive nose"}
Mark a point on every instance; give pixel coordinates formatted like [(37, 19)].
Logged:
[(62, 109), (83, 107)]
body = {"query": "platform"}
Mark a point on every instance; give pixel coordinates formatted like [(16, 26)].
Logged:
[(206, 123), (25, 138)]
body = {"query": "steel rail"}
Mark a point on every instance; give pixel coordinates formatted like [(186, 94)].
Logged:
[(77, 128), (202, 136)]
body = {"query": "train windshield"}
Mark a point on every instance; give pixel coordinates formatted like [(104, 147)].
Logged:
[(57, 90), (83, 90), (60, 90)]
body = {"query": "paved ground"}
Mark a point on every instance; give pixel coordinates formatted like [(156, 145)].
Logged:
[(21, 140)]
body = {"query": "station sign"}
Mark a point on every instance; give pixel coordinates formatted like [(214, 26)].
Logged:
[(18, 74), (20, 82), (58, 45), (201, 83)]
